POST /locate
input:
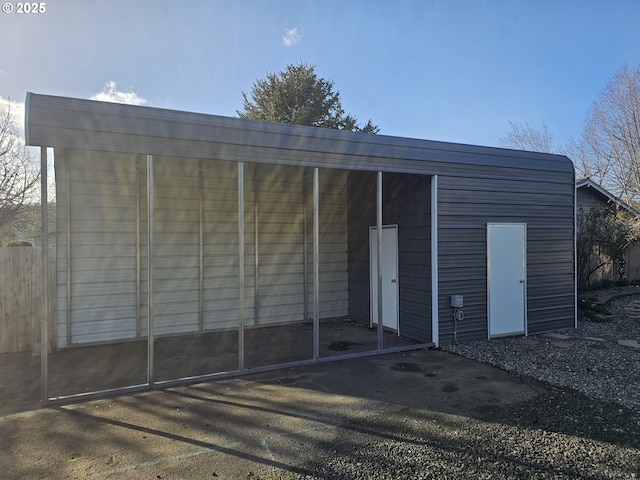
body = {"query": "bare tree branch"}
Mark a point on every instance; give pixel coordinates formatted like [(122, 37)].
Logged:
[(610, 142), (524, 137), (19, 175)]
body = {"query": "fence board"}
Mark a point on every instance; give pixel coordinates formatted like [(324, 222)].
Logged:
[(22, 298)]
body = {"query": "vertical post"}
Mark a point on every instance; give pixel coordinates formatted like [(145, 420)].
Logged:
[(138, 262), (316, 265), (68, 225), (44, 245), (379, 279), (435, 321), (150, 257), (256, 245), (200, 247), (305, 248), (240, 265), (575, 253)]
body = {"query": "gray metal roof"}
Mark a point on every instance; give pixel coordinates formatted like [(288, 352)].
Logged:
[(62, 122)]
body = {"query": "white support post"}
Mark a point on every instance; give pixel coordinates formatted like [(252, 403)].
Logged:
[(240, 266), (256, 245), (69, 254), (150, 258), (200, 247), (435, 334), (138, 262), (44, 245), (316, 265), (379, 279)]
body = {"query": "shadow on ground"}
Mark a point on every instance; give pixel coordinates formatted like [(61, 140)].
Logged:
[(390, 415)]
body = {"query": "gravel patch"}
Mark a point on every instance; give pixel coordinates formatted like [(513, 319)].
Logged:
[(584, 424), (588, 359)]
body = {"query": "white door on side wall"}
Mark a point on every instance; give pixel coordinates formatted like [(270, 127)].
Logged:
[(389, 276), (506, 282)]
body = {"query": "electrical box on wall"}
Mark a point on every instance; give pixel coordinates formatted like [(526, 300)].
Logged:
[(457, 301)]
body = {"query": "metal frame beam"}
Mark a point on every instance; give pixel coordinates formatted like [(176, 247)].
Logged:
[(316, 265), (305, 247), (241, 266), (68, 251), (379, 279), (44, 245), (256, 245), (150, 256), (435, 321), (138, 247), (200, 248)]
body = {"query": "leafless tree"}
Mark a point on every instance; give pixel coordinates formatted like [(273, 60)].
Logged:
[(19, 175), (609, 149), (522, 136)]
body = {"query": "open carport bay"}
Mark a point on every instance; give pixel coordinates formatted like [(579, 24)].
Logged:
[(422, 414)]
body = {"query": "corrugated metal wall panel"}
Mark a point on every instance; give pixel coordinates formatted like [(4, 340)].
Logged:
[(476, 185), (333, 218), (176, 238), (544, 202), (407, 203), (60, 172), (279, 192), (362, 214), (102, 246)]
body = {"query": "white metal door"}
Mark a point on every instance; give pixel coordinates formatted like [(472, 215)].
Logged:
[(389, 276), (506, 270)]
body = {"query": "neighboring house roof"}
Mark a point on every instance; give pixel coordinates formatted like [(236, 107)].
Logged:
[(588, 185)]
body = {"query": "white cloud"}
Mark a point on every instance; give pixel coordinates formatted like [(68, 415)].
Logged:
[(113, 93), (291, 37)]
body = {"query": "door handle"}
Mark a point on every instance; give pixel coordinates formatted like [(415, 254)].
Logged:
[(521, 281), (393, 280)]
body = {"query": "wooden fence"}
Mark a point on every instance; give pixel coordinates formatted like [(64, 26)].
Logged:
[(22, 298)]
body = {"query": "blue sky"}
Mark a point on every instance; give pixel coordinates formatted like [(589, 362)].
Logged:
[(454, 70)]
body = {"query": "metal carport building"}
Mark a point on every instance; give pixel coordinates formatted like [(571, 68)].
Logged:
[(253, 246)]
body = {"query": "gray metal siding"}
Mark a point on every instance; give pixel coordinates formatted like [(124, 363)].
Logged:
[(407, 203), (545, 203), (362, 214), (102, 246), (220, 242), (104, 189), (280, 245), (333, 243), (176, 238), (476, 185)]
